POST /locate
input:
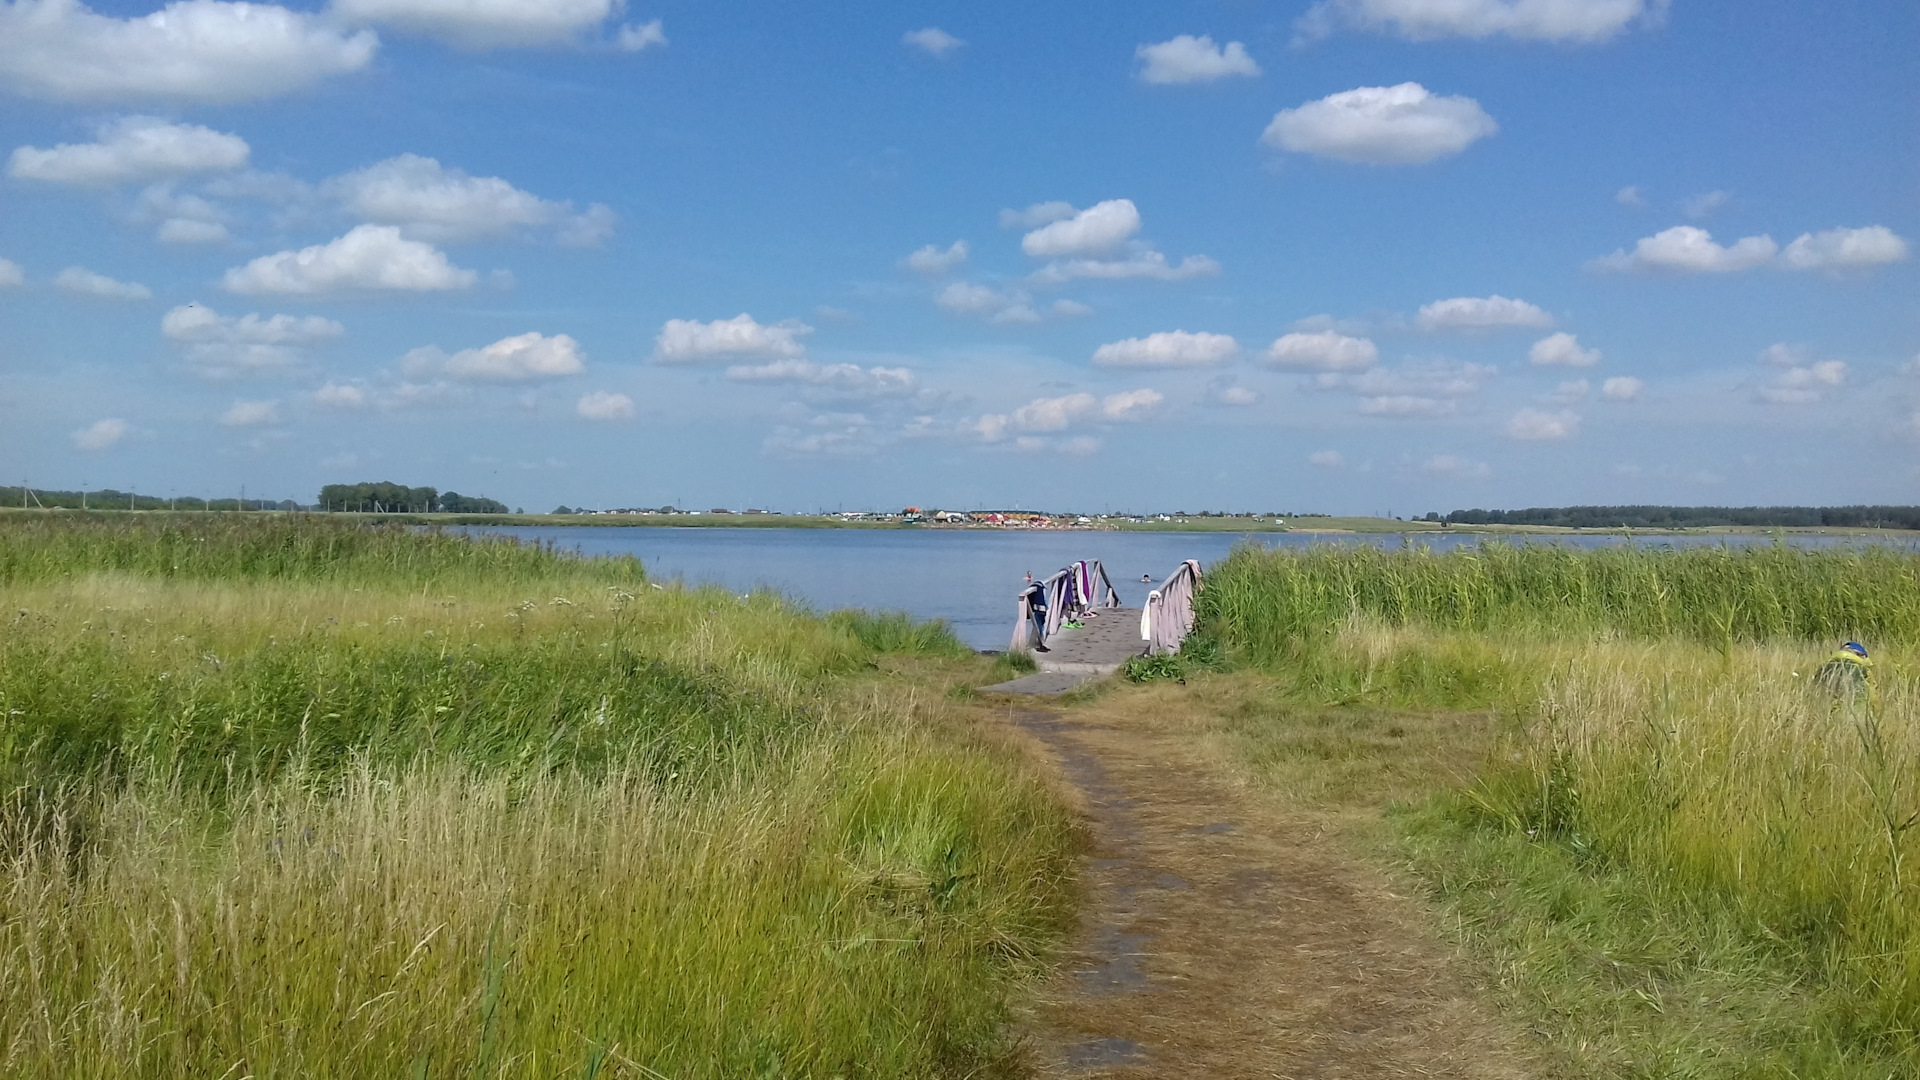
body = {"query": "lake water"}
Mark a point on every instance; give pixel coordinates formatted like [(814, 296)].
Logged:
[(968, 577)]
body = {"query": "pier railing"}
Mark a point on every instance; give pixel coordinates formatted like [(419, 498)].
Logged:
[(1167, 618), (1068, 593)]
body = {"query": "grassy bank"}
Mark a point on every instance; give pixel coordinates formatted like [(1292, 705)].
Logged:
[(1669, 849), (290, 797)]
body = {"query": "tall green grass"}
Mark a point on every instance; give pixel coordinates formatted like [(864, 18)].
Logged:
[(280, 547), (861, 911), (898, 632), (1740, 783), (1267, 604), (1674, 791), (331, 802)]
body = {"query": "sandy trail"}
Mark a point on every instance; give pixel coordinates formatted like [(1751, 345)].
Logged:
[(1221, 938)]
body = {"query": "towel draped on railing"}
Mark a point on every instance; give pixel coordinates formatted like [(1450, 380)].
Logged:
[(1069, 593), (1167, 618)]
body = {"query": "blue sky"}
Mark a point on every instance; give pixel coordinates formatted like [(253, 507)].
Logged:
[(1349, 256)]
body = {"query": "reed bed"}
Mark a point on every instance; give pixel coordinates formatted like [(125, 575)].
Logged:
[(285, 547), (1664, 735), (1268, 603), (434, 813)]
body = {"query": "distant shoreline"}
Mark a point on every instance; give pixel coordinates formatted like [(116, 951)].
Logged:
[(1313, 526)]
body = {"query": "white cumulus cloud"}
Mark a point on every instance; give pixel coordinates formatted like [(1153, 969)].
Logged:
[(637, 37), (483, 24), (131, 149), (1130, 404), (192, 50), (1782, 354), (1622, 388), (1326, 459), (1405, 405), (1480, 313), (341, 396), (1562, 350), (932, 40), (1454, 467), (1094, 231), (431, 202), (82, 282), (100, 434), (1631, 195), (604, 405), (222, 346), (1382, 125), (1169, 349), (184, 218), (1039, 415), (1001, 308), (251, 414), (1141, 264), (198, 323), (1575, 21), (1538, 425), (1415, 389), (1325, 350), (1844, 249), (11, 276), (371, 257), (1688, 249), (970, 298), (1570, 392), (1234, 395), (521, 358), (1036, 215), (1705, 204), (1189, 59), (933, 261), (191, 231), (1805, 384), (849, 379), (741, 337), (1045, 415)]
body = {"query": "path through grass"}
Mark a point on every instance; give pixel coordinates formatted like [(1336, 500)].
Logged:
[(1670, 850)]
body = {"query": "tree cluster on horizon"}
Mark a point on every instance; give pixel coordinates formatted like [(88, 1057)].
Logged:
[(1693, 517), (386, 496)]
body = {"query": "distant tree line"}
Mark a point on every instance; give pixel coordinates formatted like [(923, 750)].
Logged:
[(1693, 517), (110, 499), (389, 497)]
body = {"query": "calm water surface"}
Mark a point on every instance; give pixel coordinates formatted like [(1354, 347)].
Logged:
[(968, 577)]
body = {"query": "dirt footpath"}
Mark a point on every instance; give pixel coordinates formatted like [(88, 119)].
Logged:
[(1223, 939)]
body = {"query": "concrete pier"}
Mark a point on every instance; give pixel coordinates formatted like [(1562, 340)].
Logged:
[(1077, 656)]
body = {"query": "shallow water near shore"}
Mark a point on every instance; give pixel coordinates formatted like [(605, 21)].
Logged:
[(970, 577)]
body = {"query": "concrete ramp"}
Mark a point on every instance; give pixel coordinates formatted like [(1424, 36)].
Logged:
[(1075, 656), (1042, 683)]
